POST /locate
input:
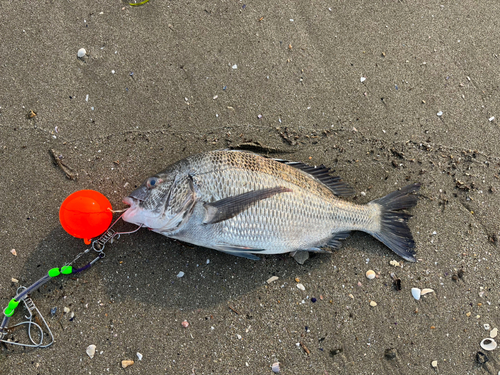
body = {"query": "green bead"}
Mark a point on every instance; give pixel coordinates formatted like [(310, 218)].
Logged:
[(9, 310), (66, 270), (54, 272)]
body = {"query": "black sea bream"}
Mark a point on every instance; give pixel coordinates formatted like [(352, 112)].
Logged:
[(244, 204)]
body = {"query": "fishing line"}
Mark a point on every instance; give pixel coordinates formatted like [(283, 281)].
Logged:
[(36, 324)]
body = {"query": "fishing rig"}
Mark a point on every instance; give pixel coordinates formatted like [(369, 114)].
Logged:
[(34, 319)]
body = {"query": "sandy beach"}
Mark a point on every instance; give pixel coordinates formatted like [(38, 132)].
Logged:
[(385, 93)]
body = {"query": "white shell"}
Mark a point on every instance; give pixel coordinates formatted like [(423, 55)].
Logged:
[(81, 52), (300, 286), (488, 344), (494, 333), (487, 327), (416, 292), (425, 291), (276, 367), (272, 278), (373, 303), (370, 274), (91, 351)]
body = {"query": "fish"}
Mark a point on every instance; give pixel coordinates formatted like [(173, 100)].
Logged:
[(245, 204)]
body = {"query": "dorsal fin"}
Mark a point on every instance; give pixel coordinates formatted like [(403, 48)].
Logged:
[(334, 183)]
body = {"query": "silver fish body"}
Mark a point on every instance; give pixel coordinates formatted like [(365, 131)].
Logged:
[(244, 204)]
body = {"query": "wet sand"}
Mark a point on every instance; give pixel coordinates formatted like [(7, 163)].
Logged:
[(384, 93)]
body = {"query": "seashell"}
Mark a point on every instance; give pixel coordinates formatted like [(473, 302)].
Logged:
[(90, 351), (373, 303), (488, 344), (276, 367), (370, 274), (81, 53), (127, 362), (271, 279), (425, 291), (494, 333), (300, 286), (487, 327), (416, 293)]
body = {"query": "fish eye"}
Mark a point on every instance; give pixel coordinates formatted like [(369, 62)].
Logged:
[(152, 182)]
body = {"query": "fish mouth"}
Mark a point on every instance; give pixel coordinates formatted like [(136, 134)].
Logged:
[(132, 213), (130, 201)]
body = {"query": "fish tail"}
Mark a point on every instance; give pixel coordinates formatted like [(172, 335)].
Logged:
[(394, 231)]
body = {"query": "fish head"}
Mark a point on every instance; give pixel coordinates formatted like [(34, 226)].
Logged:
[(161, 202)]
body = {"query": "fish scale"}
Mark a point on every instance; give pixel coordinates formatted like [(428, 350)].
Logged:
[(242, 203)]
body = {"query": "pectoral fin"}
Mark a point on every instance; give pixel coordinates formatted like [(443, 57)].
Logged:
[(227, 208)]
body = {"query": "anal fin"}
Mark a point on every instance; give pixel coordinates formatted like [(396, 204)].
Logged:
[(334, 242)]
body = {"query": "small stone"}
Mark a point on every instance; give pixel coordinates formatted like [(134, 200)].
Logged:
[(487, 327), (370, 274), (127, 362), (440, 113), (468, 314), (297, 280), (139, 356), (66, 310), (180, 274), (15, 281), (300, 286), (491, 118), (276, 367), (185, 324), (271, 279), (14, 252), (81, 53), (434, 364), (91, 351), (394, 263), (373, 303), (362, 79), (494, 333), (235, 66)]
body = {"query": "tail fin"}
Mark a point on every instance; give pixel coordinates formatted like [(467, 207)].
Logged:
[(394, 231)]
